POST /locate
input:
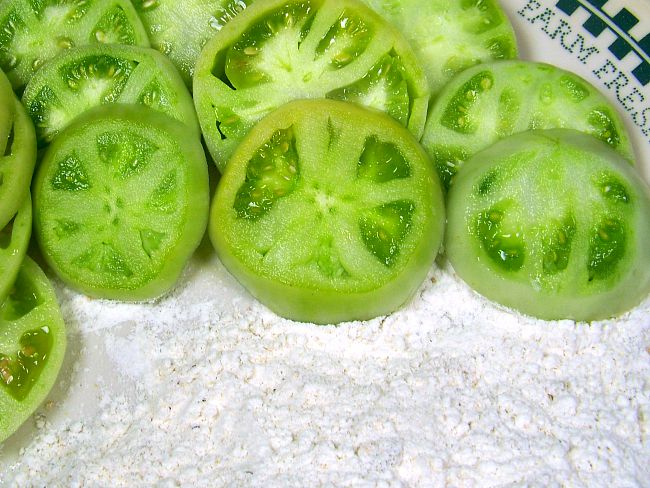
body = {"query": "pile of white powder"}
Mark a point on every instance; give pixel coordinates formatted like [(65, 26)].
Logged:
[(209, 388)]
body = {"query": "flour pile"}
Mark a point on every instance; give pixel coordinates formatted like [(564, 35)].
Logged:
[(208, 388)]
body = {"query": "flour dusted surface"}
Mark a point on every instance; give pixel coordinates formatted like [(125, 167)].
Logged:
[(208, 388)]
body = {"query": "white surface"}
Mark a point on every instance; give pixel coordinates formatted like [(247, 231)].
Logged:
[(208, 388)]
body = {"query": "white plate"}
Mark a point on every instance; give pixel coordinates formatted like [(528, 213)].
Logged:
[(208, 388)]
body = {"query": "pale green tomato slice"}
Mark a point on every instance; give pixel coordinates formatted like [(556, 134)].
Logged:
[(277, 51), (121, 202), (449, 36), (85, 77), (17, 156), (328, 212), (180, 29), (32, 346), (14, 239), (491, 101), (33, 31), (553, 223)]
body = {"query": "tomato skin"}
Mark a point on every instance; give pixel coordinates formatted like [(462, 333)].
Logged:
[(31, 307), (284, 288), (537, 186), (127, 237)]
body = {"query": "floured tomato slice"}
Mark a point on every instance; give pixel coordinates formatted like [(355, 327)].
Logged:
[(328, 212)]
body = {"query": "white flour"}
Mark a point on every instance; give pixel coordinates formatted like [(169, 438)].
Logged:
[(208, 388)]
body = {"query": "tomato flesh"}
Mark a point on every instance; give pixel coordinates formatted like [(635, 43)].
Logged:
[(274, 52), (553, 223), (17, 153), (449, 36), (32, 32), (14, 239), (121, 202), (179, 30), (492, 101), (328, 212), (85, 77), (32, 346)]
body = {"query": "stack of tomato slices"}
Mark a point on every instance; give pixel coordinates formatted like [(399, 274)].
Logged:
[(348, 136)]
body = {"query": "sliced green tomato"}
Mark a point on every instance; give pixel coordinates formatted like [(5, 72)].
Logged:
[(33, 31), (552, 223), (492, 101), (84, 77), (449, 36), (276, 51), (181, 29), (121, 202), (14, 239), (328, 212), (17, 159), (32, 346)]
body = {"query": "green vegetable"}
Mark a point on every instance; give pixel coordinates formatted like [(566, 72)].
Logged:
[(84, 77), (449, 36), (121, 202), (277, 51), (552, 223), (14, 239), (32, 347), (33, 31), (17, 153), (180, 29), (489, 102), (328, 212)]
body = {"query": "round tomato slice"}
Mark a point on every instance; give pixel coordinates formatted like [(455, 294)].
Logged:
[(85, 77), (17, 153), (328, 212), (32, 346), (449, 36), (491, 101), (553, 223), (14, 239), (33, 31), (121, 202), (277, 51), (181, 29)]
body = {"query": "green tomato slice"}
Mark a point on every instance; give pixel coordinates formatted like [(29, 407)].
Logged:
[(276, 51), (14, 239), (181, 29), (552, 223), (84, 77), (32, 346), (328, 212), (449, 36), (491, 101), (121, 202), (17, 156), (33, 31)]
